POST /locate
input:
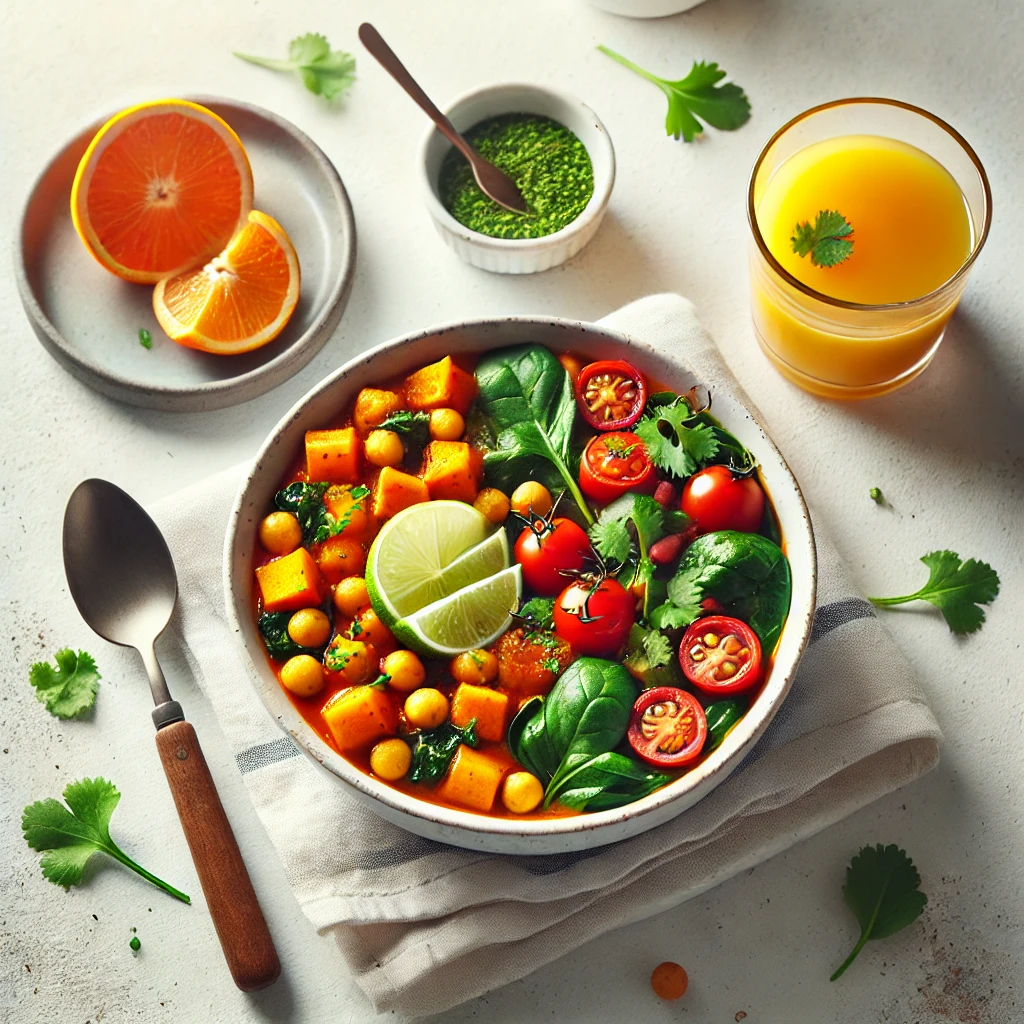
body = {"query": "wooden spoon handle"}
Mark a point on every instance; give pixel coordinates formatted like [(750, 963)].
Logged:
[(388, 59), (241, 928)]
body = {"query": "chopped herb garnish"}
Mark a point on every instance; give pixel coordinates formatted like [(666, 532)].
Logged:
[(539, 612), (826, 242), (135, 943), (956, 588), (145, 338), (435, 749), (723, 106), (675, 441), (324, 71), (876, 496), (69, 689), (882, 890)]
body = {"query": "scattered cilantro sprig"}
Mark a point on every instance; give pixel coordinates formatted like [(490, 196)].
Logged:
[(956, 588), (68, 838), (882, 890), (69, 689), (697, 95), (672, 444), (683, 606), (826, 242), (324, 71)]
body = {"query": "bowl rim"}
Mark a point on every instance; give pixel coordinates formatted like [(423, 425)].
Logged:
[(593, 210), (451, 821), (215, 393)]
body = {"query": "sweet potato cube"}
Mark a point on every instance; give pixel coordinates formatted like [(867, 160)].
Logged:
[(351, 513), (487, 706), (360, 716), (291, 582), (453, 470), (333, 455), (396, 490), (373, 407), (472, 780), (442, 385)]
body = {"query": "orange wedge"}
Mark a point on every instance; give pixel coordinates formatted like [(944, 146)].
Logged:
[(241, 299), (162, 187)]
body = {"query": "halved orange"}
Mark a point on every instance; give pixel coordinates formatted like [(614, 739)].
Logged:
[(241, 299), (162, 187)]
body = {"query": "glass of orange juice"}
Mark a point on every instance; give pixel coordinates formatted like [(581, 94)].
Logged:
[(869, 317)]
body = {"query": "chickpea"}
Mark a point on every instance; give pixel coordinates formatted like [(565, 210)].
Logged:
[(476, 667), (531, 498), (280, 533), (521, 792), (371, 630), (372, 407), (390, 759), (303, 675), (406, 671), (384, 448), (351, 597), (309, 627), (340, 557), (351, 659), (446, 425), (572, 365), (426, 708), (494, 504), (669, 980)]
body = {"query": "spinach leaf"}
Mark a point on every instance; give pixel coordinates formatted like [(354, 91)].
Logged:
[(722, 716), (435, 749), (607, 781), (529, 743), (273, 627), (306, 503), (415, 426), (749, 575), (731, 451), (526, 395)]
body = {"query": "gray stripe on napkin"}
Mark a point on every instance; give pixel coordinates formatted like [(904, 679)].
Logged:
[(831, 616), (266, 753)]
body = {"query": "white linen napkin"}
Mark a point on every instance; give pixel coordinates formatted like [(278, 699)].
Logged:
[(423, 926)]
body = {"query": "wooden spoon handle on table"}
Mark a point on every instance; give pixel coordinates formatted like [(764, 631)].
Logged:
[(241, 927)]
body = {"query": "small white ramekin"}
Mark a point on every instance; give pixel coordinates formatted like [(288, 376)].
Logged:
[(520, 255)]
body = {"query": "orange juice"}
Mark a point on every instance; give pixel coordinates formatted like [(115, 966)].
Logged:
[(870, 323)]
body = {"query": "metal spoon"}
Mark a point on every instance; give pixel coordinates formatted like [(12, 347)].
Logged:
[(493, 183), (122, 578)]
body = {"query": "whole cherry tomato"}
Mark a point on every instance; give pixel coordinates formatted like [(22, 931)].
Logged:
[(668, 727), (716, 498), (548, 547), (595, 616), (611, 394), (613, 464), (720, 655)]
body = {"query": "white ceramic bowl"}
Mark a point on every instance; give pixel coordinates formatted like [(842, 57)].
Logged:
[(519, 255), (509, 835), (644, 8)]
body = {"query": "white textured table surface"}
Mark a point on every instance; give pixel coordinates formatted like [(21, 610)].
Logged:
[(947, 451)]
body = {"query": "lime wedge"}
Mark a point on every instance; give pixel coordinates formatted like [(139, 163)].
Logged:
[(470, 618), (427, 552)]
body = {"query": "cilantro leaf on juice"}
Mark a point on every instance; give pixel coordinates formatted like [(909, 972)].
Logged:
[(956, 588), (68, 838), (826, 241), (882, 890), (672, 445), (70, 688), (324, 71), (697, 95)]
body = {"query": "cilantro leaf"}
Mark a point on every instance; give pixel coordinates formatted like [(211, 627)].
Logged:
[(325, 72), (956, 588), (882, 890), (826, 241), (697, 95), (69, 689), (68, 838), (539, 611), (657, 648), (611, 539), (672, 445)]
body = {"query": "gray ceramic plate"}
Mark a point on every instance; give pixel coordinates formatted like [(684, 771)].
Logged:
[(89, 320)]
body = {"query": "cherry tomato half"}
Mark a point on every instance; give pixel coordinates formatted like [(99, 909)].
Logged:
[(611, 394), (716, 498), (547, 547), (720, 655), (595, 617), (668, 727), (613, 464)]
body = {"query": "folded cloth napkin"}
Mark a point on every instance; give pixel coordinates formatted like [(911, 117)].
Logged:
[(423, 926)]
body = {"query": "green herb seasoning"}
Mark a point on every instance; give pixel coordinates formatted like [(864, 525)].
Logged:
[(548, 163), (145, 338)]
